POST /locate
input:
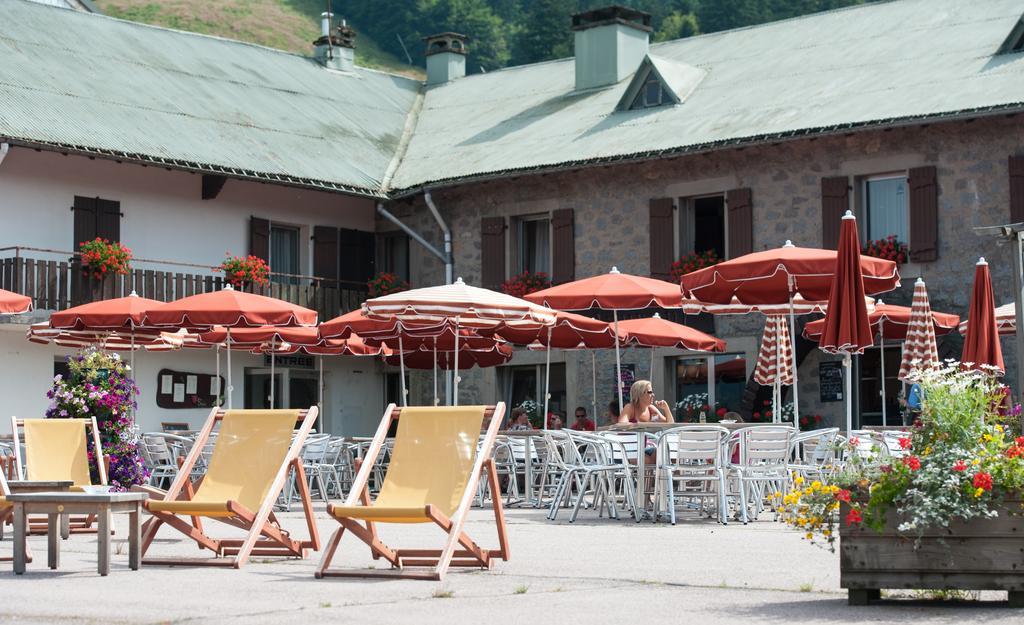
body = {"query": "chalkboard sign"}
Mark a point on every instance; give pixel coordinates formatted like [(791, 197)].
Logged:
[(830, 380)]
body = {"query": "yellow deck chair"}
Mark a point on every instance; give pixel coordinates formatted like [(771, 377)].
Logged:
[(252, 455), (57, 450), (432, 478), (7, 515)]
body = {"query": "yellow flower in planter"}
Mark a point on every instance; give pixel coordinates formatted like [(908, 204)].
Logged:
[(798, 480), (809, 536), (979, 492)]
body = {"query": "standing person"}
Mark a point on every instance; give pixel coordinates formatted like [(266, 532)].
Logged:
[(643, 407), (915, 401), (582, 422), (613, 412)]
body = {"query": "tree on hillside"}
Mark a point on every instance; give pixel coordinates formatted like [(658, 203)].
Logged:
[(544, 31)]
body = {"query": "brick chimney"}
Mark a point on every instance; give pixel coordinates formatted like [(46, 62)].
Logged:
[(338, 50), (610, 43), (446, 57)]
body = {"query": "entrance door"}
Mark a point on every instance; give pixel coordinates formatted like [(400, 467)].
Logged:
[(294, 388)]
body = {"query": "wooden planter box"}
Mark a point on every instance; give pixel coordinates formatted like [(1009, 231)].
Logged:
[(981, 554)]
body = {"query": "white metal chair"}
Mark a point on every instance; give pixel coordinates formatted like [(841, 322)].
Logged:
[(814, 454), (763, 465), (692, 459), (163, 466)]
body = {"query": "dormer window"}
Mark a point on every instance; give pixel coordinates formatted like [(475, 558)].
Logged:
[(659, 82), (1014, 42), (651, 94)]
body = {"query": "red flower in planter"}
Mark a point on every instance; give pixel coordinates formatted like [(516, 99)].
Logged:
[(525, 283), (242, 270), (842, 495), (100, 257), (912, 462), (721, 412), (693, 262), (854, 517), (983, 480), (959, 466), (904, 443)]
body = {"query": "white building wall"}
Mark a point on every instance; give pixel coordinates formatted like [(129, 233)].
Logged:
[(166, 219)]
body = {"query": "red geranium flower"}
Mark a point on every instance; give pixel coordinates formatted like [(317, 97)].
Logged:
[(854, 516), (959, 466), (843, 495), (912, 462), (983, 480), (904, 443)]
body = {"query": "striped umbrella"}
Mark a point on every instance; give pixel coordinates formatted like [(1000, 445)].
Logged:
[(1006, 320), (775, 360), (919, 348)]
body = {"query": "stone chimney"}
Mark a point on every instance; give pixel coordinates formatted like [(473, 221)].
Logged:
[(610, 43), (446, 57), (338, 50)]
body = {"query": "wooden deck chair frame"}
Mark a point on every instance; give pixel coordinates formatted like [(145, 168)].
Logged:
[(470, 554), (7, 516), (69, 524), (264, 535)]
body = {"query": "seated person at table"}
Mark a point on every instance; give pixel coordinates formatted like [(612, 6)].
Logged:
[(555, 422), (613, 412), (582, 423), (643, 407), (520, 420)]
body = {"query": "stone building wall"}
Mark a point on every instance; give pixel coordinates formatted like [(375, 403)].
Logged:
[(611, 226)]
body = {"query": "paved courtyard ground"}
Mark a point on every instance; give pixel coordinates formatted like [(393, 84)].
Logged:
[(594, 571)]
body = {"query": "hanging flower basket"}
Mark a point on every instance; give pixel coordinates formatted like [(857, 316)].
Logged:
[(385, 283), (102, 258), (693, 262), (241, 271), (889, 248), (525, 283)]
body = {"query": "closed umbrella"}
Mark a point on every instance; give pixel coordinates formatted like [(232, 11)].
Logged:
[(782, 276), (847, 329), (612, 291), (919, 348), (981, 344), (13, 303), (775, 360), (231, 309)]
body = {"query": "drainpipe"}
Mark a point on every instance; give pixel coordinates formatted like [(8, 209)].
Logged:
[(448, 261), (6, 147)]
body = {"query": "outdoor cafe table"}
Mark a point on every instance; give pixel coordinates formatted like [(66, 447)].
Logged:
[(55, 504)]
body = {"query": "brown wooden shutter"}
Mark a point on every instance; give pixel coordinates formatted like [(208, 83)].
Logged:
[(325, 252), (357, 254), (924, 214), (563, 247), (835, 201), (108, 219), (259, 238), (662, 237), (85, 220), (492, 252), (741, 222), (1016, 189)]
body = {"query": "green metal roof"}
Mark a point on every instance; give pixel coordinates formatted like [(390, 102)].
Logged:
[(91, 83)]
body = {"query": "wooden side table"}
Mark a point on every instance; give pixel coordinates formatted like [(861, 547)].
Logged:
[(55, 504)]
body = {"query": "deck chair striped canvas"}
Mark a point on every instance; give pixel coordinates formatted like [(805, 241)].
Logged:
[(435, 466), (57, 450), (253, 452)]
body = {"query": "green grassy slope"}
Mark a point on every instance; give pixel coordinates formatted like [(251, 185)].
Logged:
[(289, 25)]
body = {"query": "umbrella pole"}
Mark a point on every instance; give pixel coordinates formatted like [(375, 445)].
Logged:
[(220, 391), (652, 364), (273, 348), (547, 378), (792, 339), (401, 370), (881, 352), (230, 387), (593, 384), (435, 371), (847, 362), (320, 389), (455, 397), (618, 361)]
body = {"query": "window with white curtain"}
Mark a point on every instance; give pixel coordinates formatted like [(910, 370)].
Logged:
[(886, 209), (534, 237), (284, 252)]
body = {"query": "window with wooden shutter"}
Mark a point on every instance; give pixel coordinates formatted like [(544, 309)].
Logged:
[(563, 246), (357, 251), (924, 214), (84, 211), (259, 238), (1016, 189), (325, 252), (96, 217), (492, 252), (661, 235), (835, 201), (741, 222), (108, 219), (393, 253)]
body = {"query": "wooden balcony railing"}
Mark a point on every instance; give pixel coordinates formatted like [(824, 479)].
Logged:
[(55, 281)]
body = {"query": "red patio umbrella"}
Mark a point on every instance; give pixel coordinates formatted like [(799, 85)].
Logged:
[(13, 303), (612, 291), (121, 313), (231, 309), (981, 345), (781, 276), (151, 340), (847, 330), (468, 358)]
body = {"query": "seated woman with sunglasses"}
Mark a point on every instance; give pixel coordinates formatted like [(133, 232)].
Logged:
[(642, 407)]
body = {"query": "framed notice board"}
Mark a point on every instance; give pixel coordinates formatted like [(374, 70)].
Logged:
[(830, 380), (181, 389)]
